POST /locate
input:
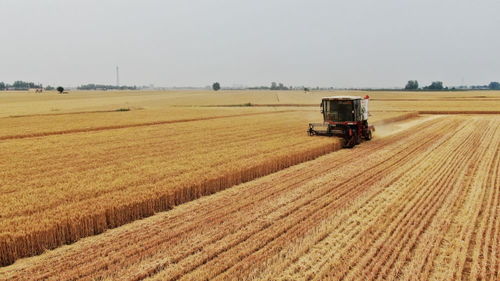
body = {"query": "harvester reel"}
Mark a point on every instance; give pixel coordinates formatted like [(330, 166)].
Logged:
[(311, 131)]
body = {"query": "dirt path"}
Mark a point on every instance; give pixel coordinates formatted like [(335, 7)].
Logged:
[(419, 204)]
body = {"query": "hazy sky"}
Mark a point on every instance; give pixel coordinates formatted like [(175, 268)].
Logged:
[(376, 43)]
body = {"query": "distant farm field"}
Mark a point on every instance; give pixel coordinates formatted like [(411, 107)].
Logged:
[(23, 103), (419, 201)]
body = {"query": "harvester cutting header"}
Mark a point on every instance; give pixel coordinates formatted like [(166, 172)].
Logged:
[(346, 117)]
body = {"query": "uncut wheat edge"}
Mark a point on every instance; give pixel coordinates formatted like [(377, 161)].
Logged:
[(15, 247)]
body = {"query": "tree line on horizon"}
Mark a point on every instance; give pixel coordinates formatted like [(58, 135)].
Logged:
[(23, 86), (275, 86), (20, 85), (412, 85), (105, 87)]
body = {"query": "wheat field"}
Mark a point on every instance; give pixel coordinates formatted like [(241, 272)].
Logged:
[(417, 210), (25, 103), (196, 185)]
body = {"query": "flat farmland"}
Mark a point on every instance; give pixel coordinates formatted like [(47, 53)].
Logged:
[(79, 122), (407, 206), (64, 180), (24, 103), (196, 185), (80, 184)]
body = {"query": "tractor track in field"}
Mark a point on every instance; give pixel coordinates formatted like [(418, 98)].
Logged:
[(124, 126)]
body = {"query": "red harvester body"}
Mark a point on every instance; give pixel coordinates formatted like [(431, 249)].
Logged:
[(346, 117)]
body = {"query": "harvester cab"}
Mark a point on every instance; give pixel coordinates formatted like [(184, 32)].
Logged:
[(346, 117)]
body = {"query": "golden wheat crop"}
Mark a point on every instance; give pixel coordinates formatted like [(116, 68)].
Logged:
[(58, 188), (77, 122), (68, 175), (421, 204)]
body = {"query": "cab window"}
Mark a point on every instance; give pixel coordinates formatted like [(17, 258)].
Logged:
[(338, 110)]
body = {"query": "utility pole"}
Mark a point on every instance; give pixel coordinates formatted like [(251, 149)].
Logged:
[(117, 77)]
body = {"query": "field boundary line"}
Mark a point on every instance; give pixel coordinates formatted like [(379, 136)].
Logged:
[(72, 113)]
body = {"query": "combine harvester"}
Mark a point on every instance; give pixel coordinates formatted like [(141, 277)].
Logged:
[(346, 117)]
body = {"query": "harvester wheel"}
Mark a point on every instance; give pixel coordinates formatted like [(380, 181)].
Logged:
[(350, 142), (357, 138), (368, 135)]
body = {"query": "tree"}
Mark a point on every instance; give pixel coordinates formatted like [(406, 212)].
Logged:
[(49, 88), (60, 89), (20, 85), (105, 87), (278, 86), (216, 86), (436, 85), (412, 85), (494, 86), (2, 86)]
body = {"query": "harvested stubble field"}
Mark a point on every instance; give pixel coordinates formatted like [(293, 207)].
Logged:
[(420, 204)]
